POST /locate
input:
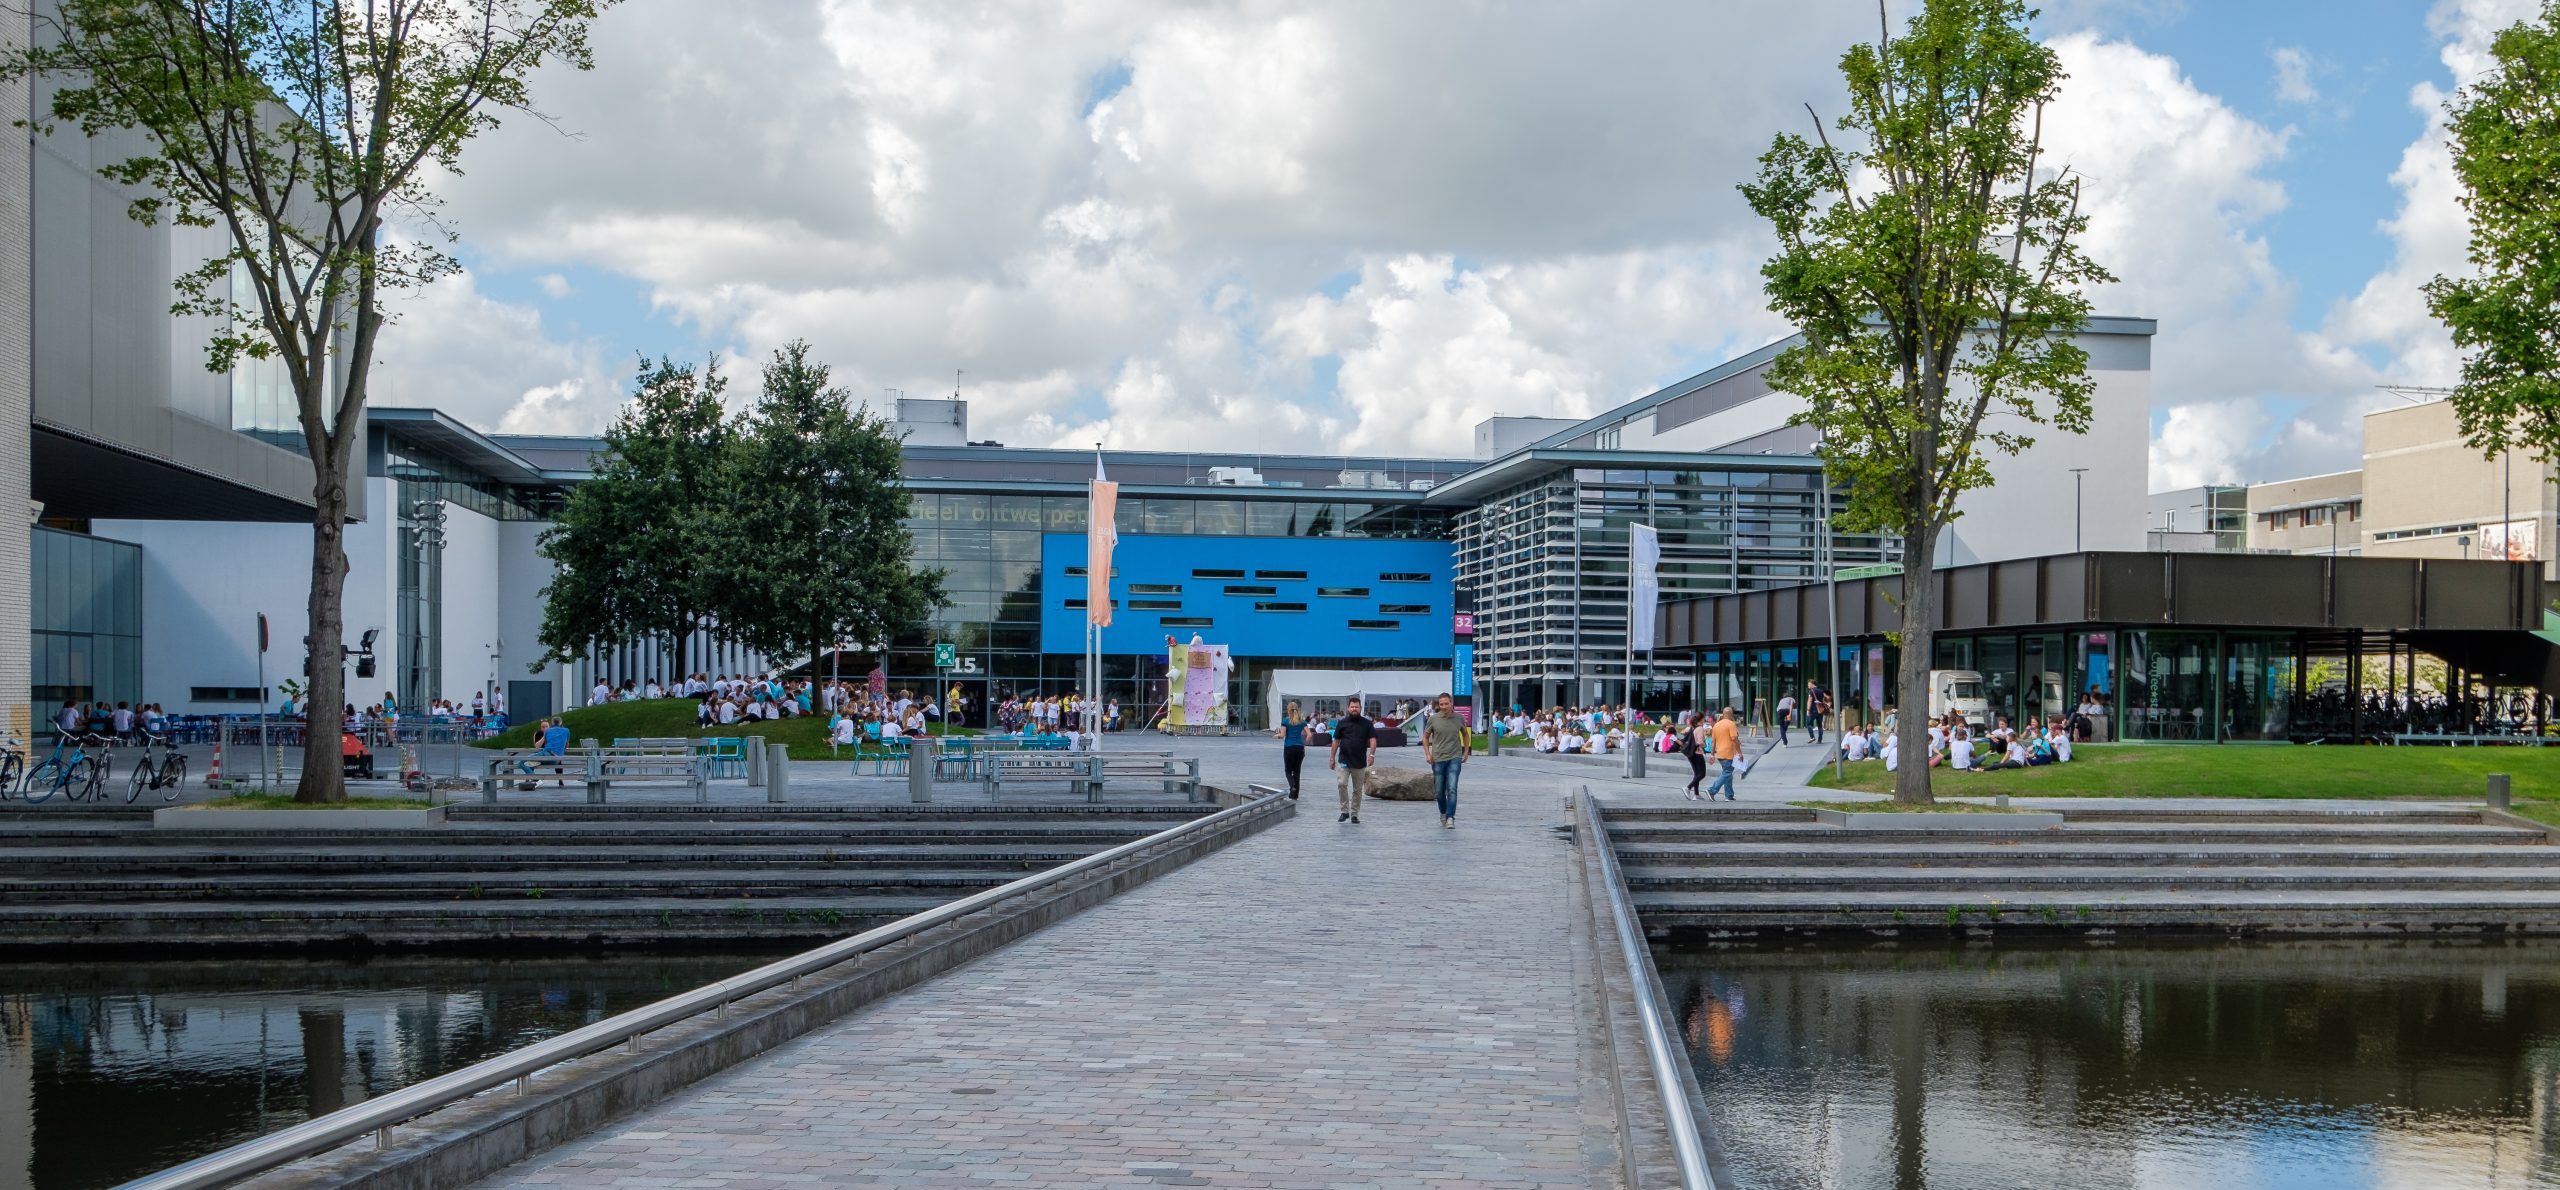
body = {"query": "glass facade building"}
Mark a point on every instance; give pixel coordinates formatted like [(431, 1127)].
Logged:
[(87, 619)]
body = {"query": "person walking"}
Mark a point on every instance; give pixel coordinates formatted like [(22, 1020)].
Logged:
[(1693, 745), (1817, 703), (1446, 741), (1727, 742), (1355, 748), (1292, 733), (1786, 716)]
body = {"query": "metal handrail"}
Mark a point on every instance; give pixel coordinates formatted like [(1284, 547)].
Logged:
[(378, 1116), (1686, 1142)]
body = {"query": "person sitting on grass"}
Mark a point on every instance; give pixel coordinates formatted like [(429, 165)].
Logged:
[(2039, 748), (1891, 750), (1854, 745), (2059, 734), (1960, 749), (1572, 740)]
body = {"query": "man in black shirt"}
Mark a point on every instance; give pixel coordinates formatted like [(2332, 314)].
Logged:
[(1355, 748)]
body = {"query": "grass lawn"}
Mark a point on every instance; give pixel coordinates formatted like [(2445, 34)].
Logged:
[(673, 717), (2246, 770)]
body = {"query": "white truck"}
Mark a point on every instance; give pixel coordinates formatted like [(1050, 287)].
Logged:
[(1959, 691)]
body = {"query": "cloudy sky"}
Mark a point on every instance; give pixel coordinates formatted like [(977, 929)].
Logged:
[(1339, 225)]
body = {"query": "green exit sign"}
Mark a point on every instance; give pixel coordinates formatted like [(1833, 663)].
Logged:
[(946, 656)]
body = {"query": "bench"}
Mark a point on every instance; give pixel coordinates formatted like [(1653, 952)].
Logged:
[(598, 769), (1087, 772)]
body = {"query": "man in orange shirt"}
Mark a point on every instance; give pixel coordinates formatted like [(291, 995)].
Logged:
[(1728, 749)]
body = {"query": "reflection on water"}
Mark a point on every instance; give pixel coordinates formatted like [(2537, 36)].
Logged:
[(111, 1070), (2231, 1066)]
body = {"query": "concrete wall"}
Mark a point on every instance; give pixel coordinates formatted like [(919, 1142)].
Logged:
[(471, 587), (2271, 530), (2028, 511), (522, 574), (203, 585), (17, 309)]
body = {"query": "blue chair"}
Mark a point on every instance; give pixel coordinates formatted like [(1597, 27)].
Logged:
[(955, 751), (728, 755)]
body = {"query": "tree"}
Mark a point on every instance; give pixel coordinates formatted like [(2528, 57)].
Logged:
[(1935, 271), (813, 545), (301, 128), (2506, 320), (628, 543)]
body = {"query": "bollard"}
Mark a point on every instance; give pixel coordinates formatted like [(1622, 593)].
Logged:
[(755, 761), (920, 769), (2498, 791), (1635, 760), (777, 774), (1493, 742)]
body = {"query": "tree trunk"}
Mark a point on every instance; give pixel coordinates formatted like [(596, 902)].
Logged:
[(1919, 648), (324, 778)]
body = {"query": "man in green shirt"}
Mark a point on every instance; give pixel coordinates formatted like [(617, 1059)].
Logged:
[(1446, 741)]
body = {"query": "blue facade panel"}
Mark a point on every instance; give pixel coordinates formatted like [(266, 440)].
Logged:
[(1374, 599)]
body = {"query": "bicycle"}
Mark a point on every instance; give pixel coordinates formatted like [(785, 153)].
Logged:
[(13, 767), (76, 775), (170, 772)]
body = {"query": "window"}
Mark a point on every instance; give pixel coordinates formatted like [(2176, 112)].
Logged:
[(1404, 576), (1079, 605), (1289, 576), (1075, 572), (247, 694), (1185, 621), (1405, 609), (1217, 574), (1376, 625), (1155, 605), (1253, 590), (1155, 588), (1343, 592), (1279, 607)]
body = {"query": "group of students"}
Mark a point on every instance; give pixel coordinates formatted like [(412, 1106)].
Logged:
[(1599, 728), (1054, 714), (1953, 744), (123, 721)]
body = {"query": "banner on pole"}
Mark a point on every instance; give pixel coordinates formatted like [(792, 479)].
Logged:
[(1196, 694), (1644, 563), (1100, 534)]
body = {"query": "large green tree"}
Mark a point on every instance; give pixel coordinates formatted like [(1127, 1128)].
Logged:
[(1932, 260), (301, 129), (2506, 318), (627, 544), (813, 544)]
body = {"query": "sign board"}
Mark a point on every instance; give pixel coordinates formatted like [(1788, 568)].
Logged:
[(1463, 624), (1462, 672), (946, 656)]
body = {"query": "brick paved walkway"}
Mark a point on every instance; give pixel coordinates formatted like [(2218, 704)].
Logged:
[(1383, 1005)]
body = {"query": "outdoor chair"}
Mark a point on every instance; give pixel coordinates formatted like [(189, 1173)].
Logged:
[(728, 755)]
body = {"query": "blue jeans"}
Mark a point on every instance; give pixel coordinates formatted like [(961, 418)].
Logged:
[(1444, 781), (1724, 779)]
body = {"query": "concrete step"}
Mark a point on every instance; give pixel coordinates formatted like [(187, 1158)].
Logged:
[(2123, 833), (1713, 857), (2160, 907), (391, 857), (934, 884), (463, 925), (2273, 811), (2049, 882), (815, 835), (1687, 811)]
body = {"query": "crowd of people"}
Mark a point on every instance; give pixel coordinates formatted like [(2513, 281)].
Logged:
[(1597, 729), (122, 721)]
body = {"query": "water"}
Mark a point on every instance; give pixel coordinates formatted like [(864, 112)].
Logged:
[(111, 1070), (2267, 1066)]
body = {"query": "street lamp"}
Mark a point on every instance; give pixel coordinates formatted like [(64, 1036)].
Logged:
[(2465, 539), (2076, 473)]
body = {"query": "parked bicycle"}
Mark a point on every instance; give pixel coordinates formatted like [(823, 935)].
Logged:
[(71, 770), (161, 767), (13, 766)]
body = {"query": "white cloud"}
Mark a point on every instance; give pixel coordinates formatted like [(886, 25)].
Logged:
[(492, 364), (554, 286), (2293, 75)]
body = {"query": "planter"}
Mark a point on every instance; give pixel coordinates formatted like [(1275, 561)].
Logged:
[(190, 819), (1903, 820)]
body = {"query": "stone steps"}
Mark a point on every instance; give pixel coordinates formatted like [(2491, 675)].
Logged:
[(2041, 853), (537, 883), (2161, 831), (2051, 881), (71, 862), (547, 924)]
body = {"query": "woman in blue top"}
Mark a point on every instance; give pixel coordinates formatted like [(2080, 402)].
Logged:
[(1293, 745)]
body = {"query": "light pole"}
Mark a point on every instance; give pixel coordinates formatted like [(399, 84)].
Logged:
[(2465, 539), (2076, 473), (1831, 622)]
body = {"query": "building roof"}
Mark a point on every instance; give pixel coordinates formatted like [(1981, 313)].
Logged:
[(439, 432)]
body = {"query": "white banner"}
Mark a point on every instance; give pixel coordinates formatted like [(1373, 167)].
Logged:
[(1101, 532), (1644, 563)]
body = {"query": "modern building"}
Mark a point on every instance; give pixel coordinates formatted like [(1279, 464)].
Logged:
[(2423, 492), (2211, 518)]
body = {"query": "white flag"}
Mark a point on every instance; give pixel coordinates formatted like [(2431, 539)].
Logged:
[(1644, 568)]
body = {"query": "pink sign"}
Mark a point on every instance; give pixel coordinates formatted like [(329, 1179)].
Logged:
[(1463, 624)]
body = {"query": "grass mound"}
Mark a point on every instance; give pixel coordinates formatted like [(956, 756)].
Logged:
[(2244, 770), (668, 718)]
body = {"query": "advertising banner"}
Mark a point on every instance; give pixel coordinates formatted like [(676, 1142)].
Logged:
[(2512, 541), (1462, 672), (1196, 684), (1644, 561)]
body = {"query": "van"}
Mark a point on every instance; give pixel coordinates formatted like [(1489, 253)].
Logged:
[(1959, 691)]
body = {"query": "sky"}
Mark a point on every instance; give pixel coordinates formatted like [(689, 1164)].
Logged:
[(1341, 226)]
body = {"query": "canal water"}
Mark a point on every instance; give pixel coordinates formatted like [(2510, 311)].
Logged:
[(2232, 1066), (110, 1070)]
